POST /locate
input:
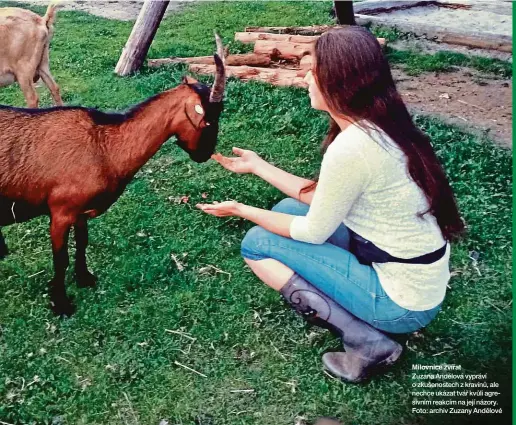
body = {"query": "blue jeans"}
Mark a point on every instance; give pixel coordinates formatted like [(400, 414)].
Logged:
[(332, 269)]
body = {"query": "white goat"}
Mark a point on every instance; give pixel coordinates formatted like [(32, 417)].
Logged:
[(24, 56)]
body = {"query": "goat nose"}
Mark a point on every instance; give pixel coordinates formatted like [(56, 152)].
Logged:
[(200, 158)]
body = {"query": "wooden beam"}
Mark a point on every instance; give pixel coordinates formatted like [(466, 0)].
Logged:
[(440, 34), (141, 37), (275, 76), (251, 59)]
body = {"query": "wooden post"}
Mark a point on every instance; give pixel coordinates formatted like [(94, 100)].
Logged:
[(141, 37), (344, 12)]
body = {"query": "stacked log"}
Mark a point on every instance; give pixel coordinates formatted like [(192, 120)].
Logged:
[(250, 59), (278, 59), (253, 37), (289, 34), (275, 76)]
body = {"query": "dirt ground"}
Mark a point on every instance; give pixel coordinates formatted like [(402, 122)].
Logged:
[(490, 17), (480, 105), (124, 10), (429, 47)]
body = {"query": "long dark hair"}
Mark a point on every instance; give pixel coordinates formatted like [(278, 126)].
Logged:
[(355, 80)]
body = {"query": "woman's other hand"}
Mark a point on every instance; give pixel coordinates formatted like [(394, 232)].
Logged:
[(246, 161), (221, 209)]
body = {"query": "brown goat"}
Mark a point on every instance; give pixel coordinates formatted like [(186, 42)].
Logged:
[(73, 163), (24, 51)]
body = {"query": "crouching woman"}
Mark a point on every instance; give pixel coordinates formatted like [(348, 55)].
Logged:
[(363, 250)]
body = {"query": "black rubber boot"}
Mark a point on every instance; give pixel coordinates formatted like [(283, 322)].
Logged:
[(367, 348)]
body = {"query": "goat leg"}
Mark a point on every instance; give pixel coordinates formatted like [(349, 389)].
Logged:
[(27, 86), (3, 247), (84, 277), (46, 76), (59, 231)]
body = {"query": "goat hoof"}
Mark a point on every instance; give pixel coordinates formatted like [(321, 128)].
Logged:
[(86, 280), (62, 306)]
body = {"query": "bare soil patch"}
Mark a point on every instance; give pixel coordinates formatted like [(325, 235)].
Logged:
[(480, 105), (124, 10)]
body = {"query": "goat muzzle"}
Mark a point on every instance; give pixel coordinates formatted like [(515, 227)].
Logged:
[(208, 139)]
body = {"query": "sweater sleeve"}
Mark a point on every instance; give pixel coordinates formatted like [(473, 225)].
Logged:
[(343, 177)]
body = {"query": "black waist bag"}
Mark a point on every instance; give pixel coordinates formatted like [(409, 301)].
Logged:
[(368, 253)]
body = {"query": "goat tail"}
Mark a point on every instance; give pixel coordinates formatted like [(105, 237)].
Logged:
[(50, 16)]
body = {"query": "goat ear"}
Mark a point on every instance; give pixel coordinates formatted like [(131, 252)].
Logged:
[(195, 112)]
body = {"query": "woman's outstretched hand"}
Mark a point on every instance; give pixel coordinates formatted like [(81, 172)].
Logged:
[(246, 161), (221, 209)]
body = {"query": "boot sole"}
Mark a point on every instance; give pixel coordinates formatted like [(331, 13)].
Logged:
[(378, 368)]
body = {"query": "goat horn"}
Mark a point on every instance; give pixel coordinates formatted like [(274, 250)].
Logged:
[(217, 91)]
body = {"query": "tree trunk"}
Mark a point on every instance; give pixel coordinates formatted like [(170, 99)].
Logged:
[(276, 76), (251, 59), (141, 37), (344, 12)]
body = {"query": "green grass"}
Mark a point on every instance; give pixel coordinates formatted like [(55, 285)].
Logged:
[(415, 63), (114, 361), (390, 34)]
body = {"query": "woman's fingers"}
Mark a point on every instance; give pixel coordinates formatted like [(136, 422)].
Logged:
[(208, 207), (224, 160), (213, 210), (217, 157), (238, 151), (220, 157)]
